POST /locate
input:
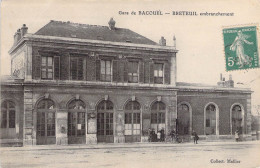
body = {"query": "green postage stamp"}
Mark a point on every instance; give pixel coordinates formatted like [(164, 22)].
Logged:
[(241, 47)]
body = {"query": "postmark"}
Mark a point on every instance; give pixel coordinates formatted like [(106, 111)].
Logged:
[(241, 47)]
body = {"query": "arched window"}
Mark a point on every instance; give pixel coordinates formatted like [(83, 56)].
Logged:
[(210, 120), (237, 119), (158, 111), (77, 104), (133, 121), (45, 119), (105, 116), (76, 119), (183, 119), (7, 114)]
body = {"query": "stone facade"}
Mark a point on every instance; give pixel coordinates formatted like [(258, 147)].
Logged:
[(59, 71)]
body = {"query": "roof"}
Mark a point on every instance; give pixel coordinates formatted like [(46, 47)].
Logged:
[(200, 86), (92, 32)]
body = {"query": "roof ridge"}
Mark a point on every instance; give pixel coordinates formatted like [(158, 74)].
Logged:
[(79, 24)]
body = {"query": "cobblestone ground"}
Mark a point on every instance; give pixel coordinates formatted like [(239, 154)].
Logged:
[(244, 154)]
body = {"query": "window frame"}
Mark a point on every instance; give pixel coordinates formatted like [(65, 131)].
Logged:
[(158, 78), (105, 124), (130, 75), (46, 68), (44, 112), (132, 118), (7, 119), (77, 58), (106, 77), (158, 116), (79, 109)]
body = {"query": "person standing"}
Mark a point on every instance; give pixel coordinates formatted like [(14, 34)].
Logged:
[(149, 135), (236, 136), (158, 135), (162, 135), (195, 137), (172, 135)]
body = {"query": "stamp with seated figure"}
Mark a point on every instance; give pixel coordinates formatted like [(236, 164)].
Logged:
[(241, 47)]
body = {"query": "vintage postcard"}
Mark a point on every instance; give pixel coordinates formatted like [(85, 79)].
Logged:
[(129, 84)]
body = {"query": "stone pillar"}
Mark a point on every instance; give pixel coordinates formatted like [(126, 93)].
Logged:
[(173, 70), (171, 116), (61, 127), (248, 116), (29, 133), (28, 62), (91, 127), (146, 123), (119, 127)]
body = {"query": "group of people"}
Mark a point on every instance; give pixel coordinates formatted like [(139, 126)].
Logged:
[(156, 137), (160, 136)]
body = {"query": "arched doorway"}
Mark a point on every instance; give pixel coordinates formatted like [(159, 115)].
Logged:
[(237, 119), (76, 122), (158, 111), (105, 119), (183, 119), (46, 133), (211, 113), (8, 118), (133, 122)]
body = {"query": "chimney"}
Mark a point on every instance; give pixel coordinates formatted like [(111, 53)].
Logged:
[(24, 30), (112, 24), (174, 42), (162, 41), (17, 36), (221, 77), (230, 77)]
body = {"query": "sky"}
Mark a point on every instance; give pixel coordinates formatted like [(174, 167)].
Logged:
[(200, 58)]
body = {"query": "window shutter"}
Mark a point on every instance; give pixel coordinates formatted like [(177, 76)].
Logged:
[(80, 68), (125, 71), (167, 73), (121, 68), (146, 72), (65, 66), (115, 71), (141, 72), (98, 70), (73, 69), (151, 72), (56, 67), (91, 68), (37, 65)]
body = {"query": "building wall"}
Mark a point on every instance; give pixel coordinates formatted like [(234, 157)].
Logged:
[(119, 58), (224, 100), (61, 95)]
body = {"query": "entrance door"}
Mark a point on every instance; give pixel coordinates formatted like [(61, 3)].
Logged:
[(105, 131), (76, 122), (132, 122), (237, 119), (45, 122), (183, 120), (7, 117)]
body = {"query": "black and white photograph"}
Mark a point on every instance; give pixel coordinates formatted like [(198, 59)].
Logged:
[(130, 84)]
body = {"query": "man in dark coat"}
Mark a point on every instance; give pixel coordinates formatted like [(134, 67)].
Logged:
[(162, 135), (195, 137)]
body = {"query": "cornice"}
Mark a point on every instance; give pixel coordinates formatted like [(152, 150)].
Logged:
[(108, 44)]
